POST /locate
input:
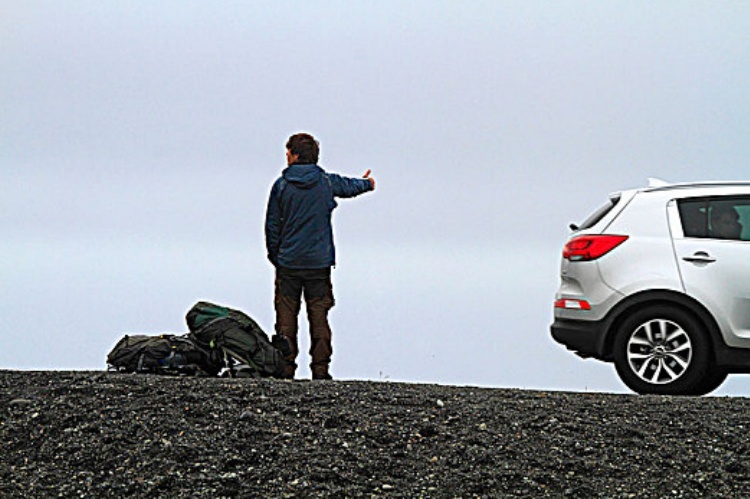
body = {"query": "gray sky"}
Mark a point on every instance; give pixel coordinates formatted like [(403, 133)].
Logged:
[(139, 140)]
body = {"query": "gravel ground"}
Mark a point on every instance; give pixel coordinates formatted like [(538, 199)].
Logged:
[(98, 434)]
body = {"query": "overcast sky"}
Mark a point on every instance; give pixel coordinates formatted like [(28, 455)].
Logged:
[(139, 140)]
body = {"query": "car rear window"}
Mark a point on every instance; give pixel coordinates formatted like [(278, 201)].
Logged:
[(600, 212)]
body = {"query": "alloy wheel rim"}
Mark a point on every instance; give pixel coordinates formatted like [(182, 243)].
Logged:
[(659, 351)]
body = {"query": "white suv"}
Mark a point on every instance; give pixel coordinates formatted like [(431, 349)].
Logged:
[(658, 281)]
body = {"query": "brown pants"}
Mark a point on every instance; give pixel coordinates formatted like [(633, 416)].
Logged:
[(318, 290)]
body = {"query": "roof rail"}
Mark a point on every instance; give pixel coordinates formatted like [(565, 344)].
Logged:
[(689, 185)]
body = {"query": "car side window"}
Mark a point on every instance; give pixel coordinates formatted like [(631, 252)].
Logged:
[(716, 218)]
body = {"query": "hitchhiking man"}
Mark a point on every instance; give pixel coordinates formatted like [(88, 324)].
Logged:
[(299, 240)]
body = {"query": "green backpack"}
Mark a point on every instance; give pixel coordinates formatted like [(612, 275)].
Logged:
[(241, 342), (162, 354)]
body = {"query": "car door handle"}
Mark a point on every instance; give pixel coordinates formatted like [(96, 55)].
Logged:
[(699, 257)]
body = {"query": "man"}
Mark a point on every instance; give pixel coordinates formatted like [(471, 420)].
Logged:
[(725, 222), (299, 240)]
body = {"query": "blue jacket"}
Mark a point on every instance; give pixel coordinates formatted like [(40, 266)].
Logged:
[(298, 217)]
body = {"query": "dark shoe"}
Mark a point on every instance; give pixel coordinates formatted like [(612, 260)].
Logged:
[(324, 376)]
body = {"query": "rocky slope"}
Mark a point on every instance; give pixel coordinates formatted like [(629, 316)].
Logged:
[(95, 434)]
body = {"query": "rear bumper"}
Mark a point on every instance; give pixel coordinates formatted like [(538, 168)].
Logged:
[(585, 338)]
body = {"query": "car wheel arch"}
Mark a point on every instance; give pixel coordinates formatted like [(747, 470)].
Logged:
[(655, 298)]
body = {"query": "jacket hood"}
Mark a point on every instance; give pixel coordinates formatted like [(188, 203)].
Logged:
[(302, 176)]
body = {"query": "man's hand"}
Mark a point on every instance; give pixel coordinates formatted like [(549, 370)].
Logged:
[(372, 180)]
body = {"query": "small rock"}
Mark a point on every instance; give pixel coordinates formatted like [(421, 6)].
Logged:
[(18, 402)]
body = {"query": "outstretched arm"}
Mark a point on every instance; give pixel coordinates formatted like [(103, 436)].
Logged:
[(348, 187)]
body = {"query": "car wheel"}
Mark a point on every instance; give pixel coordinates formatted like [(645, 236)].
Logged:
[(662, 350)]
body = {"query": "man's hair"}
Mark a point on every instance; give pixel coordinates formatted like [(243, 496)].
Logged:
[(305, 146)]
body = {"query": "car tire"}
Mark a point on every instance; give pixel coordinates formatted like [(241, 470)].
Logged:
[(663, 350), (711, 381)]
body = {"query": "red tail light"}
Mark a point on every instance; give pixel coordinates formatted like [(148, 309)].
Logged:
[(585, 248), (572, 303)]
